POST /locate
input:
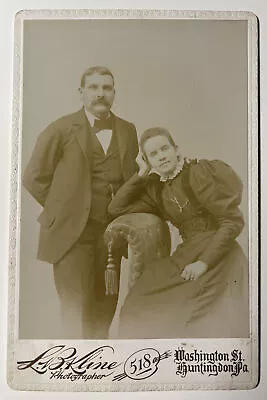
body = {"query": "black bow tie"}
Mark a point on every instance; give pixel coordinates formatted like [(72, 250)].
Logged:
[(101, 124)]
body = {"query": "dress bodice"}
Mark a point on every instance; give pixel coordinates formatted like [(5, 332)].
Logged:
[(184, 211)]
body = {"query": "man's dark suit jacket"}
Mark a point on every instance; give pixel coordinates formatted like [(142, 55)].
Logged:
[(58, 177)]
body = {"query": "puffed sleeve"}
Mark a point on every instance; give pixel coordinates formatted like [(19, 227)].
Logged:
[(134, 197), (218, 188)]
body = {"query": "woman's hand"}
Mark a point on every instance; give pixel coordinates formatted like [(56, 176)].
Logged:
[(194, 270), (143, 166)]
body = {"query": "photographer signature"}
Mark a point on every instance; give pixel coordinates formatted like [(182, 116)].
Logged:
[(139, 365)]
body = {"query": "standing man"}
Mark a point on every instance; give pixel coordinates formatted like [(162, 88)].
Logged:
[(77, 165)]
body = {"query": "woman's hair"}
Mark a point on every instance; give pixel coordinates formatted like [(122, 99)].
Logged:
[(153, 132), (96, 70)]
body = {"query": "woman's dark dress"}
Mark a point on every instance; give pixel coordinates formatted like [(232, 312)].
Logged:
[(202, 202)]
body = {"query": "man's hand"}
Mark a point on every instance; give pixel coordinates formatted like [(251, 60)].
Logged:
[(143, 166), (194, 270)]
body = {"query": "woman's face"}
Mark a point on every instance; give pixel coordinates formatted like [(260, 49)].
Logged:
[(161, 155)]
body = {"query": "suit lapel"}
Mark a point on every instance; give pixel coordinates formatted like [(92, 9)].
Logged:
[(82, 133), (121, 136)]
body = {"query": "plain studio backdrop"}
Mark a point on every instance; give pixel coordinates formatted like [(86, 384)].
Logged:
[(186, 75)]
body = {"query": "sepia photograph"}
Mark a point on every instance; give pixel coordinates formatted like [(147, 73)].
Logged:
[(136, 194)]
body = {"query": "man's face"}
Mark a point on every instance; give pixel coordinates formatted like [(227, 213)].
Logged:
[(161, 155), (98, 94)]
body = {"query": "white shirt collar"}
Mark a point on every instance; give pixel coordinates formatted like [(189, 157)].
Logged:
[(91, 118)]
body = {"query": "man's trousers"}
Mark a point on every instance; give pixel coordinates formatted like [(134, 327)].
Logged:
[(80, 282)]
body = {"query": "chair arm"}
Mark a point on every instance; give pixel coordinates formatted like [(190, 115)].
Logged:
[(147, 236)]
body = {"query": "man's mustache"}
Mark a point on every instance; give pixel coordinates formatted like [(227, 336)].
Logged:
[(101, 102)]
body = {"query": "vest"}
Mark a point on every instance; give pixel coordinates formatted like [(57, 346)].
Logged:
[(106, 176)]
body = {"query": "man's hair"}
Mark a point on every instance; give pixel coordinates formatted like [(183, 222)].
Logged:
[(95, 70), (153, 132)]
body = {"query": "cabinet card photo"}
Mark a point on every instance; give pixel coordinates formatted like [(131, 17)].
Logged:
[(133, 260)]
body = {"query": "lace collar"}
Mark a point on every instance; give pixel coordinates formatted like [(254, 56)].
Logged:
[(181, 166), (174, 174)]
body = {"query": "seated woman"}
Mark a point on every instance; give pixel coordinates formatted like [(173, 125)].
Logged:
[(201, 290)]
